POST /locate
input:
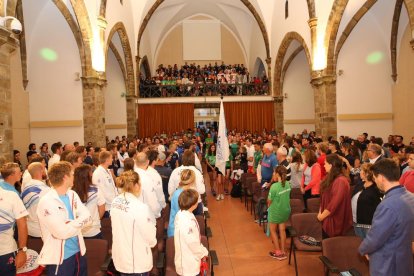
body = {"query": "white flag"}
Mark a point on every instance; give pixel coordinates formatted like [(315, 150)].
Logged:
[(222, 152)]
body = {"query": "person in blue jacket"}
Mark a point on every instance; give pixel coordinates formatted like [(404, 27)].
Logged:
[(388, 244)]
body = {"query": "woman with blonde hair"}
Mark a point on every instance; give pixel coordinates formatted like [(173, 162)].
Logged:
[(187, 181), (133, 228)]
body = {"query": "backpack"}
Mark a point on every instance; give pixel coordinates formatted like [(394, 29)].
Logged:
[(236, 191)]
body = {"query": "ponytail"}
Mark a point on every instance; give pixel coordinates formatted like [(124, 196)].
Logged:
[(127, 180), (282, 172)]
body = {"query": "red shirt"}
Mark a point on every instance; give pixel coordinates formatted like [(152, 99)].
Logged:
[(337, 200), (407, 180), (321, 161)]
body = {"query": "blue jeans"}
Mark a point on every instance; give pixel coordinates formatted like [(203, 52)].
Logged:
[(75, 265), (361, 232), (7, 265)]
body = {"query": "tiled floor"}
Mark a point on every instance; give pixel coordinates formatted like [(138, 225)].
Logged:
[(242, 247)]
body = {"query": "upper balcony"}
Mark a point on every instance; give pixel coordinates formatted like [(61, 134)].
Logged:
[(203, 89)]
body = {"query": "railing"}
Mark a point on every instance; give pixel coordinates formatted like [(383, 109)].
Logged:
[(157, 91)]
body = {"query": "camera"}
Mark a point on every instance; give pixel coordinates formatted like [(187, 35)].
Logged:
[(12, 24)]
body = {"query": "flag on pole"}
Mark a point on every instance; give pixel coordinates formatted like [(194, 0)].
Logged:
[(222, 152)]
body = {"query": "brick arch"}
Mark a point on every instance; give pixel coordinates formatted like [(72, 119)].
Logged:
[(335, 17), (248, 5), (284, 46), (144, 62), (126, 46), (83, 51), (311, 8), (11, 8), (280, 70), (85, 29)]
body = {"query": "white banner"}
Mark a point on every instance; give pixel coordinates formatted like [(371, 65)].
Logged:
[(222, 153)]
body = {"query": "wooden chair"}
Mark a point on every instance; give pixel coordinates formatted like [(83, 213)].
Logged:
[(314, 205), (304, 224), (341, 254), (97, 255)]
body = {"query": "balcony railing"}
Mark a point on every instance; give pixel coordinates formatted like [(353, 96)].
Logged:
[(157, 91)]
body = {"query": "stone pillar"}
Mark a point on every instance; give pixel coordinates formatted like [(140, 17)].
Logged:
[(8, 44), (278, 106), (132, 109), (94, 110), (325, 104), (269, 75)]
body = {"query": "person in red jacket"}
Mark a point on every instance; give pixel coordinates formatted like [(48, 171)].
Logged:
[(311, 177), (407, 179), (335, 212)]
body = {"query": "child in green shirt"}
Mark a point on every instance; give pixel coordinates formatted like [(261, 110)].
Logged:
[(279, 211)]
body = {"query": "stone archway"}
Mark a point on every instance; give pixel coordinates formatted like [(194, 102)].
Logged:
[(279, 74), (128, 71), (145, 65), (248, 5), (126, 46)]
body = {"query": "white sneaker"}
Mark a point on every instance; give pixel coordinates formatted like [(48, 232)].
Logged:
[(222, 196), (205, 209), (218, 197)]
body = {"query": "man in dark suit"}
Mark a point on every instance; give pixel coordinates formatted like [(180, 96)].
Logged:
[(374, 153)]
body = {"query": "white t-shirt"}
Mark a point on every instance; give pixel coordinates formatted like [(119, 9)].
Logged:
[(103, 179), (250, 153), (175, 179), (54, 159), (161, 148), (157, 182), (121, 158), (95, 199), (12, 208), (148, 194), (187, 242), (31, 195)]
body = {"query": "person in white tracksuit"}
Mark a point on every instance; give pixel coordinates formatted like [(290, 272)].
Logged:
[(61, 217), (134, 233), (187, 238)]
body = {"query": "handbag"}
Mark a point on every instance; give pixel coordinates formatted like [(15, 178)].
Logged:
[(204, 266)]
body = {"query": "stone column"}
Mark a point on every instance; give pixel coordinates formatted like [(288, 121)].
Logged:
[(269, 75), (94, 110), (132, 109), (325, 104), (8, 44), (278, 106)]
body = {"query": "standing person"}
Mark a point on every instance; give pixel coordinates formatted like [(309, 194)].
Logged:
[(258, 155), (62, 216), (12, 255), (102, 178), (268, 164), (407, 179), (148, 194), (187, 237), (388, 244), (31, 195), (250, 155), (133, 228), (57, 151), (311, 178), (187, 181), (278, 202), (211, 164), (365, 202), (122, 154), (335, 211), (296, 170), (11, 174), (89, 155), (92, 197), (44, 152), (165, 172)]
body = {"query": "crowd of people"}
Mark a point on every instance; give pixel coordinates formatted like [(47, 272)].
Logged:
[(364, 186), (207, 80)]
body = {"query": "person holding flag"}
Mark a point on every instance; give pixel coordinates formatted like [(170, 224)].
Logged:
[(222, 152)]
